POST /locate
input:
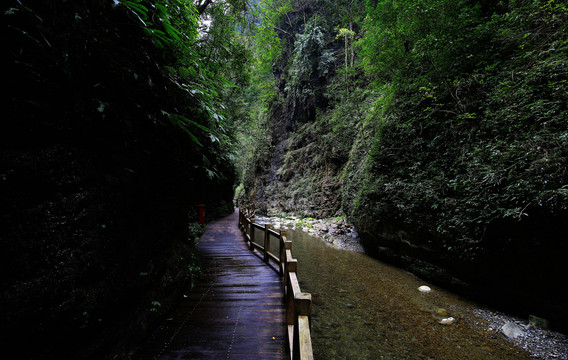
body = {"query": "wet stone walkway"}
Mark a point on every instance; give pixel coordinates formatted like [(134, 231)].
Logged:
[(235, 311)]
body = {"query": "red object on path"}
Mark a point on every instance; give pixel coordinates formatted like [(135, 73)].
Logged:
[(201, 213)]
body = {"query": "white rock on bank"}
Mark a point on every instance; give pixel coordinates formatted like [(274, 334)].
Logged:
[(511, 330), (447, 321), (424, 289)]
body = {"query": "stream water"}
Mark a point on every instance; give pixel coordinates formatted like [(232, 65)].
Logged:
[(364, 309)]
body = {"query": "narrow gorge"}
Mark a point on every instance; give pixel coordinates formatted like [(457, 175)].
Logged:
[(442, 137)]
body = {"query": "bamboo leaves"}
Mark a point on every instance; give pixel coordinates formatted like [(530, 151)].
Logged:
[(173, 20), (138, 9), (187, 125), (197, 61)]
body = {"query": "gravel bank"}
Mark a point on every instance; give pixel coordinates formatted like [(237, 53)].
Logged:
[(539, 343), (335, 232)]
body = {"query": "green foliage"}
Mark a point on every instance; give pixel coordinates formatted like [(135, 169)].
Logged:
[(450, 118), (310, 60), (170, 23), (194, 265), (129, 104), (205, 64), (478, 123), (263, 48), (195, 232), (155, 306), (267, 47), (428, 39), (239, 191)]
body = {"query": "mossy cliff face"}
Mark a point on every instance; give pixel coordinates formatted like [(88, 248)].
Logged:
[(454, 170), (292, 178), (98, 191)]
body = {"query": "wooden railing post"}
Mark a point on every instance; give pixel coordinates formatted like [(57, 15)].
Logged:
[(287, 246), (266, 242), (302, 340), (251, 246), (282, 239), (303, 304), (290, 267), (298, 304)]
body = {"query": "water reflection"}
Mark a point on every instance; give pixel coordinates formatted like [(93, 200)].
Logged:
[(364, 309)]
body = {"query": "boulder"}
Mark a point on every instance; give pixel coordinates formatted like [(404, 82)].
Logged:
[(511, 330)]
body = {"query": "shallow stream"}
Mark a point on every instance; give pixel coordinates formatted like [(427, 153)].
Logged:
[(364, 309)]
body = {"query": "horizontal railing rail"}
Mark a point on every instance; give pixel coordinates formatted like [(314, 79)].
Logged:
[(298, 304)]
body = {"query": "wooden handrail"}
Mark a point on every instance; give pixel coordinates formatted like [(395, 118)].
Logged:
[(298, 304)]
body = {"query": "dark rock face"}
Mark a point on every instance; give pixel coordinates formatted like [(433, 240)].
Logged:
[(295, 177), (97, 190)]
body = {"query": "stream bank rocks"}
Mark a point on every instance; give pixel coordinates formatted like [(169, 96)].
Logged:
[(511, 330), (335, 232), (538, 343)]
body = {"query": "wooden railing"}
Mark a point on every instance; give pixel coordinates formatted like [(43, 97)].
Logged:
[(298, 304)]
